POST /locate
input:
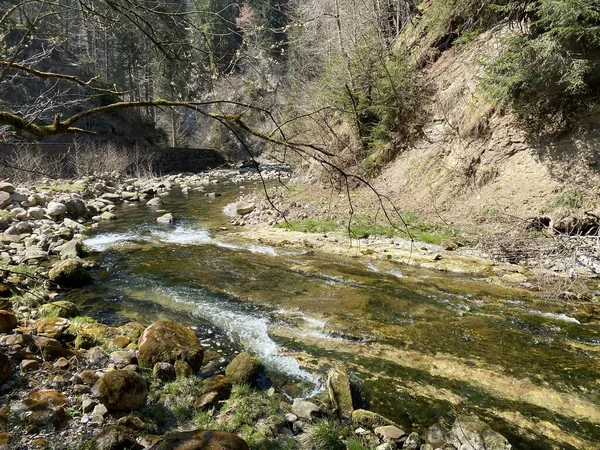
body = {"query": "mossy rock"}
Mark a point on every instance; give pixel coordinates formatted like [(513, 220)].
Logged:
[(244, 369), (69, 273), (340, 393), (61, 308), (166, 341), (132, 330), (121, 390), (369, 419)]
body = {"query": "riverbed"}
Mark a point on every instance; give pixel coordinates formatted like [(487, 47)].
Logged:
[(421, 344)]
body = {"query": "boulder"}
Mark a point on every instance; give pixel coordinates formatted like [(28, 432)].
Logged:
[(164, 371), (121, 390), (214, 390), (5, 199), (166, 219), (6, 187), (244, 208), (51, 349), (41, 408), (52, 327), (69, 273), (244, 369), (36, 213), (154, 202), (8, 321), (107, 216), (61, 308), (369, 419), (72, 250), (340, 393), (305, 409), (55, 209), (5, 368), (389, 433), (77, 207), (201, 440), (166, 341), (471, 433)]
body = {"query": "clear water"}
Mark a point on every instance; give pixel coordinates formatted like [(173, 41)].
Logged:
[(422, 345)]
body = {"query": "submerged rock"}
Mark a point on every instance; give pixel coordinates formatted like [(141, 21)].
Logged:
[(167, 341)]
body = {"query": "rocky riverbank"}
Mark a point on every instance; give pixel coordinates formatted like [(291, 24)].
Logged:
[(67, 381)]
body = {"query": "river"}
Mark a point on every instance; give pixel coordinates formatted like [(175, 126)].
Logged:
[(421, 345)]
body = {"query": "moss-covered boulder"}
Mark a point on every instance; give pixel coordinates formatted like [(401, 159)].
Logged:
[(471, 432), (69, 273), (121, 390), (167, 341), (202, 440), (132, 330), (214, 390), (340, 393), (8, 321), (244, 369), (61, 308), (115, 437), (369, 419)]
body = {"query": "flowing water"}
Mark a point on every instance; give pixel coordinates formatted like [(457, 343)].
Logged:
[(422, 345)]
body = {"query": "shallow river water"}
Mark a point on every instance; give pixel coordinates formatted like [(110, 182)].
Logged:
[(422, 345)]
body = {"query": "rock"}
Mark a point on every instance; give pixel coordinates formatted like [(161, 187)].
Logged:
[(121, 390), (182, 369), (164, 371), (154, 202), (61, 308), (514, 278), (51, 349), (167, 341), (77, 207), (244, 369), (52, 327), (115, 437), (112, 197), (412, 442), (132, 330), (100, 410), (88, 377), (88, 404), (55, 209), (36, 213), (106, 215), (5, 199), (340, 394), (470, 433), (201, 440), (369, 419), (72, 250), (122, 358), (385, 446), (8, 321), (166, 219), (42, 408), (18, 213), (96, 357), (5, 368), (69, 273), (305, 409), (244, 208), (6, 187), (436, 435), (389, 433), (214, 390), (29, 365)]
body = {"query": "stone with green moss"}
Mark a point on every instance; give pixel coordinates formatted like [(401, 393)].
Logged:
[(244, 369), (340, 393), (121, 390), (369, 419), (62, 308), (69, 273), (167, 341), (201, 439)]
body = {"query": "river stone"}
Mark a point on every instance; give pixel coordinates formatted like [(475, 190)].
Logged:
[(72, 249), (36, 213), (5, 199), (340, 393), (305, 409), (166, 219), (164, 371), (55, 209), (6, 187), (412, 442), (5, 368), (201, 440), (132, 330), (121, 390), (61, 308), (244, 369), (167, 341), (389, 433), (42, 408), (154, 202), (69, 273), (471, 433), (245, 208), (115, 437), (77, 207), (8, 321), (369, 419), (51, 349), (106, 215), (52, 327), (214, 390)]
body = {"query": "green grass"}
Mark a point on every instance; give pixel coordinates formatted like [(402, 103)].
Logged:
[(325, 435), (67, 187), (364, 226)]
